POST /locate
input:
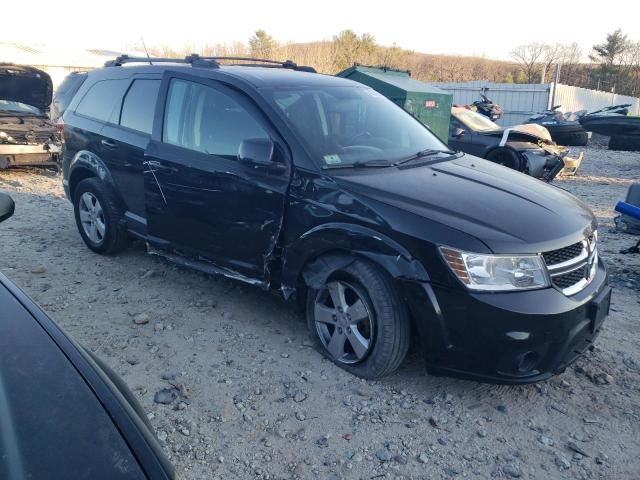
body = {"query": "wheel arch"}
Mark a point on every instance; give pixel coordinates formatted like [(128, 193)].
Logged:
[(310, 259), (506, 148), (86, 164)]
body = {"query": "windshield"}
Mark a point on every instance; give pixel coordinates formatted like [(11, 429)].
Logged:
[(473, 120), (7, 106), (343, 126)]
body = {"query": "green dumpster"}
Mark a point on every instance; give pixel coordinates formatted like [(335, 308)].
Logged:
[(428, 104)]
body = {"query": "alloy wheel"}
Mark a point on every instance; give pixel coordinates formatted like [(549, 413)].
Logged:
[(344, 322), (92, 217)]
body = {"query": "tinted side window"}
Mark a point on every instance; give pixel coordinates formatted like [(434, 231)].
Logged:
[(102, 100), (207, 120), (139, 105), (65, 92)]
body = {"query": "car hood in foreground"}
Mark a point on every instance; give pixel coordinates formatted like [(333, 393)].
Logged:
[(508, 211), (19, 83)]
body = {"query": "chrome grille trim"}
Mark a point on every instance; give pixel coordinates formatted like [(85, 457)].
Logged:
[(587, 260)]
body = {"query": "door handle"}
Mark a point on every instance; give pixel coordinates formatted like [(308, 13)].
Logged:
[(108, 143), (155, 165)]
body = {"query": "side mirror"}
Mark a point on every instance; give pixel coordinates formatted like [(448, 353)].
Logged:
[(257, 151), (458, 132), (7, 206)]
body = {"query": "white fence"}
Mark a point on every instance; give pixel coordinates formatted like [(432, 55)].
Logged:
[(575, 98), (520, 101)]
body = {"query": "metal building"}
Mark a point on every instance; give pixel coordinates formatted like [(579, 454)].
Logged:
[(58, 61)]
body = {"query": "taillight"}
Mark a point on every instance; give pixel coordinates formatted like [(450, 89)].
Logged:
[(60, 127)]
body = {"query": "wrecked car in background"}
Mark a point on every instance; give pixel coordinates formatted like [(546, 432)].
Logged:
[(27, 136), (321, 188), (526, 148)]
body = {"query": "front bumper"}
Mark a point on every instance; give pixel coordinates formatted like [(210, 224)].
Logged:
[(510, 338), (23, 155), (571, 165)]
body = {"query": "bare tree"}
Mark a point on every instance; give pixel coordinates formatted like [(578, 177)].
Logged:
[(392, 57), (530, 58)]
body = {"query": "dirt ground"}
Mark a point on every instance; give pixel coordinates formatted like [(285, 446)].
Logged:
[(246, 395)]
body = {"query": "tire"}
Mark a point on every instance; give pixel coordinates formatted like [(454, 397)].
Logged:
[(505, 157), (370, 348), (578, 139), (626, 143), (101, 227)]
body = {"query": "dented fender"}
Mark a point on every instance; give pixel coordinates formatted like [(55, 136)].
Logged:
[(341, 243)]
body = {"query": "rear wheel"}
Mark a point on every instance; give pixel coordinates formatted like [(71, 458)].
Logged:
[(577, 139), (98, 218), (629, 143), (505, 157), (359, 321)]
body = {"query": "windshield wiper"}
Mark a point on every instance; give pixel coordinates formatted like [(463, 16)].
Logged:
[(360, 164), (423, 153)]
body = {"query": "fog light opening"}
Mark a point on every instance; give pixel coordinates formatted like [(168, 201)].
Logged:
[(527, 362)]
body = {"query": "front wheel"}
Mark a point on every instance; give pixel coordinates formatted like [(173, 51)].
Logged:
[(506, 157), (359, 321)]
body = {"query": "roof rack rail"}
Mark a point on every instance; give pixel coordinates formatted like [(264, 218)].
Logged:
[(192, 59), (212, 62), (248, 61)]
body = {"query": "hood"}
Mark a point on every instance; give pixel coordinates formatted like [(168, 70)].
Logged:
[(19, 83), (506, 210), (527, 131)]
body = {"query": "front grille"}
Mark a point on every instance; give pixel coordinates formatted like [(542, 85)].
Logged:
[(33, 138), (569, 279), (572, 268), (563, 254)]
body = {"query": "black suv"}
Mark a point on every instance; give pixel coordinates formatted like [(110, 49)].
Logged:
[(320, 187)]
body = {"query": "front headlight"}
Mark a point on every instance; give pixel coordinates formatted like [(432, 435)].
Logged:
[(496, 272)]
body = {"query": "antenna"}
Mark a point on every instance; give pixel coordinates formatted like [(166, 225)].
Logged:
[(145, 50)]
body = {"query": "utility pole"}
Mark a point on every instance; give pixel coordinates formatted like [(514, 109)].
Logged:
[(556, 77)]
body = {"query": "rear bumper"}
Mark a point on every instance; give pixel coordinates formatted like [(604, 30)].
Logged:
[(509, 338), (17, 155)]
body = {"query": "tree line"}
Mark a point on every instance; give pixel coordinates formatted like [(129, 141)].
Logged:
[(614, 64)]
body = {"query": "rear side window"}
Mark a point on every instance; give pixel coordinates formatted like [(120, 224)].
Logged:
[(65, 92), (206, 120), (102, 100), (139, 105)]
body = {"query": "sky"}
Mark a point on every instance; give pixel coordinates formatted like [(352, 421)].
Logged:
[(488, 28)]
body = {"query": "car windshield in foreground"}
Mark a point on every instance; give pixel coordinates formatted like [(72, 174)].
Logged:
[(474, 120), (7, 106), (353, 126)]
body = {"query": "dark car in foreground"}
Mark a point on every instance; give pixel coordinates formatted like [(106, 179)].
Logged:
[(525, 148), (63, 413), (27, 135), (320, 188)]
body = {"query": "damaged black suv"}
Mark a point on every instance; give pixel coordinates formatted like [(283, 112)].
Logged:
[(322, 189)]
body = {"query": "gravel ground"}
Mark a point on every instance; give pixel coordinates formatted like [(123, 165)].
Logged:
[(235, 389)]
